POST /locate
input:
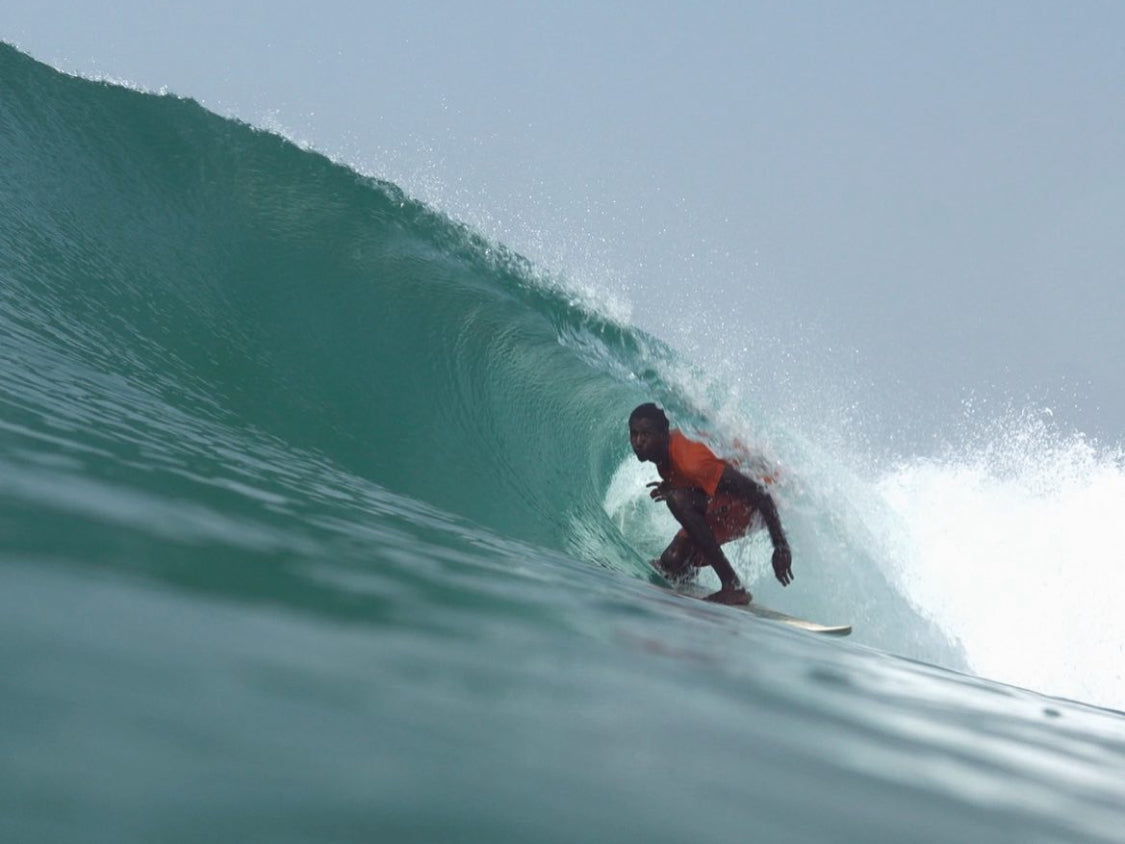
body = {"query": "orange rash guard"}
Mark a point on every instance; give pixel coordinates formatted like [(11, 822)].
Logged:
[(692, 465)]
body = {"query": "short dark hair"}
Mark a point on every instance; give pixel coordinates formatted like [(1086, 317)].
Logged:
[(651, 412)]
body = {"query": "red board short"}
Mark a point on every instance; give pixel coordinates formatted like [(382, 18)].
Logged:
[(729, 519)]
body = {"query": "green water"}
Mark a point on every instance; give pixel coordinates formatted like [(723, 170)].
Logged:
[(311, 530)]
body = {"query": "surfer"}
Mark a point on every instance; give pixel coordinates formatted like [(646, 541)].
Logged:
[(713, 502)]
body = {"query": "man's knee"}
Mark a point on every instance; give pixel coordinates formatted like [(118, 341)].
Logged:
[(676, 559)]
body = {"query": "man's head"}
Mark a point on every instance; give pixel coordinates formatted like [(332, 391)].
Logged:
[(648, 433)]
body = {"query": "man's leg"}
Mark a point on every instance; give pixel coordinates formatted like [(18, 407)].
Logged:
[(676, 561), (690, 509)]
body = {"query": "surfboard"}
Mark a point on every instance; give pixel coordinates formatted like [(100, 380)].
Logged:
[(692, 590)]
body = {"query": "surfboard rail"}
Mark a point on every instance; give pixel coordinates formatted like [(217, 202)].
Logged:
[(696, 592)]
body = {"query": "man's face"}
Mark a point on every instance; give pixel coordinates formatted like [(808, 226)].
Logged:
[(648, 439)]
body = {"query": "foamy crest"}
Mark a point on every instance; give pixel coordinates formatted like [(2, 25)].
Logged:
[(1015, 547)]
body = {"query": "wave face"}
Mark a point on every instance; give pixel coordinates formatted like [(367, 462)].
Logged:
[(306, 489), (230, 272), (202, 280)]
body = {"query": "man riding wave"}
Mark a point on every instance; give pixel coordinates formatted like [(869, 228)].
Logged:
[(713, 502)]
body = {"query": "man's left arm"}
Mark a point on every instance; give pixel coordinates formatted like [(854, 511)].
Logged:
[(739, 485)]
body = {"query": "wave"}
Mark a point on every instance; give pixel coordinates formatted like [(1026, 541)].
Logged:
[(180, 288)]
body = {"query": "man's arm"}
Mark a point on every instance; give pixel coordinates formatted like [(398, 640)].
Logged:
[(739, 485)]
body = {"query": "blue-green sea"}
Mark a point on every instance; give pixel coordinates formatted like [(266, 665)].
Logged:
[(318, 523)]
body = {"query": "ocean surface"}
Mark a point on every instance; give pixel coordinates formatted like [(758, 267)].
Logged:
[(318, 523)]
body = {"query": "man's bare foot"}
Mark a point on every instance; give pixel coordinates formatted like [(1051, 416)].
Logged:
[(734, 597)]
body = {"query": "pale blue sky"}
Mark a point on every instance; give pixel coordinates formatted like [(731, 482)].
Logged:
[(897, 204)]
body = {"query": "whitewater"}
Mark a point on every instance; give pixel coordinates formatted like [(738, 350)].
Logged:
[(318, 522)]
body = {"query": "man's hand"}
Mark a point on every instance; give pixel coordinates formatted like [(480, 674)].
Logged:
[(659, 490), (783, 564)]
